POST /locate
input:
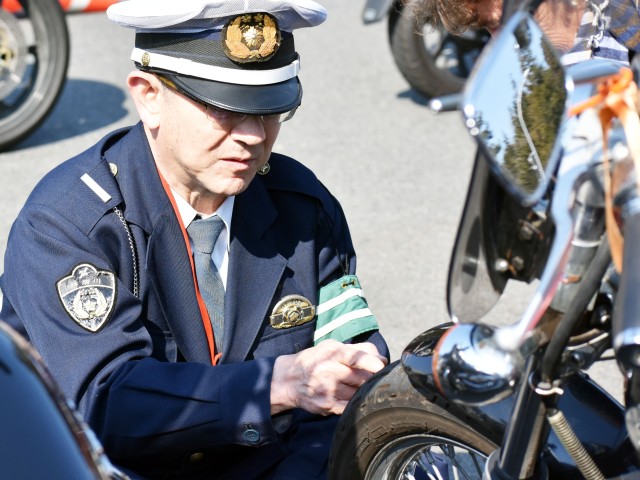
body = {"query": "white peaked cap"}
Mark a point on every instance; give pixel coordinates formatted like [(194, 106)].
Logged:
[(197, 15)]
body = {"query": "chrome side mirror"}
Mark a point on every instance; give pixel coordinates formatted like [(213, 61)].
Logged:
[(515, 104)]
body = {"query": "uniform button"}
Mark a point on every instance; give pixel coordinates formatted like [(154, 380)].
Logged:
[(251, 435), (196, 457)]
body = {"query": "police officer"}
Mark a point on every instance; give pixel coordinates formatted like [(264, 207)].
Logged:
[(192, 361)]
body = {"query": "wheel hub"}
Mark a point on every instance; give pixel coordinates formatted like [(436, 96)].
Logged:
[(13, 54)]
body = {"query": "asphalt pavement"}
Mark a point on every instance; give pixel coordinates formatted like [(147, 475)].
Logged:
[(399, 171)]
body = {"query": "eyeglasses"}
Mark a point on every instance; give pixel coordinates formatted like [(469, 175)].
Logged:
[(226, 118), (229, 118)]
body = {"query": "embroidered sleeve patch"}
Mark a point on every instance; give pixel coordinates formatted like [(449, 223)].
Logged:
[(342, 311), (88, 295)]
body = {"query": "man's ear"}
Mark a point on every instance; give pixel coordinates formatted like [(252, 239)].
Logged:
[(146, 91)]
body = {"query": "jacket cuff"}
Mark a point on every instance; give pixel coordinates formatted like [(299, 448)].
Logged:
[(245, 399)]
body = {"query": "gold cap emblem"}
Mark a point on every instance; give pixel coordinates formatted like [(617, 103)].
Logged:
[(253, 37), (291, 311)]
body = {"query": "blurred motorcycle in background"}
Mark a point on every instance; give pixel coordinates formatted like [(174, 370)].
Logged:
[(433, 61), (34, 58), (554, 187)]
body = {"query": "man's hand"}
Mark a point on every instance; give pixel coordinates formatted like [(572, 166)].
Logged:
[(323, 378)]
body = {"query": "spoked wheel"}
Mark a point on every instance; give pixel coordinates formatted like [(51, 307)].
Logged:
[(390, 431), (34, 56), (433, 61), (426, 456)]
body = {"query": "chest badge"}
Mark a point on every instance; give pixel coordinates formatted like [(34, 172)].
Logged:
[(291, 311), (88, 295)]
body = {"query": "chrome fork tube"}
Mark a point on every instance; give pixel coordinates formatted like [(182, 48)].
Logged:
[(519, 455)]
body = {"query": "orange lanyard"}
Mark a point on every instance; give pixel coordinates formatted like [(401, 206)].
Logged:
[(616, 97), (203, 308)]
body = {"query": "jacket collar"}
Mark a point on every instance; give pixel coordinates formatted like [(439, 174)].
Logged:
[(138, 179)]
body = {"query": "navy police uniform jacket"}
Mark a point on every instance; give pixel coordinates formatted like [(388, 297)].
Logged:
[(144, 379)]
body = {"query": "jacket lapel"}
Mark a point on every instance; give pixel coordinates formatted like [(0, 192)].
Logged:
[(166, 258), (255, 270), (168, 263)]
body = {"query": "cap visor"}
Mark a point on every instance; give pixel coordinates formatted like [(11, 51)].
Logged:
[(250, 99)]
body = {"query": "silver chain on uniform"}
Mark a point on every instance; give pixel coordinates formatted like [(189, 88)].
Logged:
[(134, 254)]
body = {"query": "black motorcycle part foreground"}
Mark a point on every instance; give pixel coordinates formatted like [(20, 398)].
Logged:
[(39, 435), (401, 402), (428, 70), (470, 272), (596, 418), (389, 409), (33, 67)]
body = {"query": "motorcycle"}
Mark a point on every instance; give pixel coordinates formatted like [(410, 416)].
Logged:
[(41, 434), (434, 62), (34, 57), (554, 184)]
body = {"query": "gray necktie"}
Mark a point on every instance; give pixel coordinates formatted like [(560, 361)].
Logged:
[(205, 233)]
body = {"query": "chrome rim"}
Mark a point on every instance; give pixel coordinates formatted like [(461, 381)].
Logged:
[(426, 457)]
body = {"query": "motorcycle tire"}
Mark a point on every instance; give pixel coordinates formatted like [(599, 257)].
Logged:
[(34, 57), (390, 431), (433, 62)]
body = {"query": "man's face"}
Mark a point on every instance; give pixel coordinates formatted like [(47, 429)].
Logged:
[(559, 20), (462, 15), (489, 12), (205, 161)]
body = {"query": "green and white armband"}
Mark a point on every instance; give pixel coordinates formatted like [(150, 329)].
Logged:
[(342, 311)]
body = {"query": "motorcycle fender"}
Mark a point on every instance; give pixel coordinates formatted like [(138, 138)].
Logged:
[(596, 418), (376, 10)]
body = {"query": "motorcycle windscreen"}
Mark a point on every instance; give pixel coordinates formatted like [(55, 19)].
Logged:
[(514, 105), (473, 286)]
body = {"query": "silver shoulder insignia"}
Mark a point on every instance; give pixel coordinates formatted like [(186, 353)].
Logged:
[(291, 311), (88, 295)]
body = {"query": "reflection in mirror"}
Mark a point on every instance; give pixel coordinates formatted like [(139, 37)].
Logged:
[(515, 104)]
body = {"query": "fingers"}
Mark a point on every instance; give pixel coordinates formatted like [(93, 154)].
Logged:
[(355, 377), (362, 356), (368, 347), (322, 379), (329, 398), (339, 406)]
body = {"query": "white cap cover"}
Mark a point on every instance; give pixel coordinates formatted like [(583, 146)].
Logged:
[(197, 15)]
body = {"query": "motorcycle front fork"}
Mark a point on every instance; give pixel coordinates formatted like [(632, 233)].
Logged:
[(519, 455)]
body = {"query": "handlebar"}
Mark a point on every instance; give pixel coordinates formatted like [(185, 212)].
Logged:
[(446, 103)]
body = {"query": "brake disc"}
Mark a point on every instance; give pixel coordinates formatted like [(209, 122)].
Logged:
[(13, 54)]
